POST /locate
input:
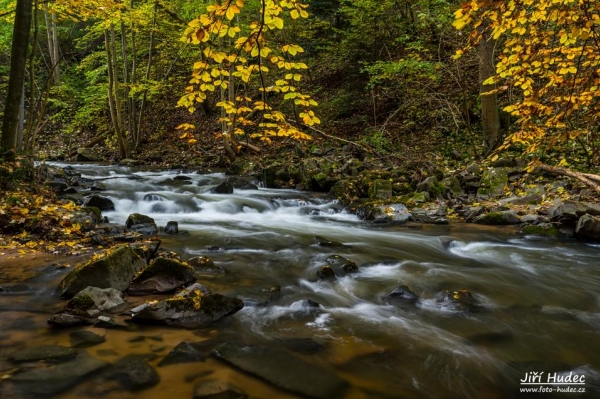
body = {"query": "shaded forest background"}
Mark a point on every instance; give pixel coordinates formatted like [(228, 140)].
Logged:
[(384, 73)]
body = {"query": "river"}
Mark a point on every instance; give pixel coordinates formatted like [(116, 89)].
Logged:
[(539, 297)]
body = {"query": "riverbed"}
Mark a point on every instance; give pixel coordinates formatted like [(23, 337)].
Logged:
[(538, 298)]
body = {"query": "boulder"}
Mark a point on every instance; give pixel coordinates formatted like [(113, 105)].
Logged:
[(161, 276), (224, 188), (50, 381), (114, 268), (377, 213), (172, 227), (85, 338), (215, 389), (401, 295), (432, 186), (452, 186), (380, 189), (143, 224), (341, 265), (542, 229), (57, 184), (102, 203), (460, 300), (88, 155), (69, 318), (493, 181), (133, 372), (569, 212), (284, 370), (325, 242), (49, 354), (188, 352), (146, 250), (194, 307), (326, 273), (499, 218), (588, 228), (204, 265), (137, 218), (94, 298)]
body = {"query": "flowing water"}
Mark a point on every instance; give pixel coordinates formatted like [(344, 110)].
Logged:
[(540, 297)]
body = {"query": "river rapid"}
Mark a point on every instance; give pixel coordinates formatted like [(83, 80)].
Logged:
[(539, 297)]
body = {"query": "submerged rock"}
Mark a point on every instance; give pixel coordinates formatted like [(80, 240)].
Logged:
[(205, 265), (324, 242), (49, 381), (194, 307), (50, 354), (461, 300), (134, 373), (187, 352), (161, 276), (224, 188), (85, 338), (215, 389), (114, 268), (400, 295), (341, 265), (284, 370)]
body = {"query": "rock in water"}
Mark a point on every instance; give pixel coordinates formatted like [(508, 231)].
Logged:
[(460, 300), (102, 203), (341, 265), (138, 218), (162, 275), (172, 227), (97, 299), (215, 389), (205, 266), (325, 273), (224, 188), (134, 373), (401, 294), (114, 268), (52, 354), (284, 370), (50, 381), (588, 228), (194, 307)]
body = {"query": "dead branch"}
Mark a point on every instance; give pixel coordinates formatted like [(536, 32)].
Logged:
[(591, 180)]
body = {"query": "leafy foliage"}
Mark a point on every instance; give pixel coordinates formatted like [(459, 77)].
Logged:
[(549, 62), (245, 51)]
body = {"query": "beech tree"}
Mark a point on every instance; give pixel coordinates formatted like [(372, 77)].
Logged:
[(549, 60), (237, 54)]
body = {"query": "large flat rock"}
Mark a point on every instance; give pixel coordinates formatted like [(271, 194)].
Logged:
[(284, 370)]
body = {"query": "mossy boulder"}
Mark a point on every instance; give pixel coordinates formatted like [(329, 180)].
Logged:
[(346, 190), (500, 218), (380, 189), (94, 298), (194, 307), (542, 229), (88, 155), (137, 219), (493, 181), (99, 202), (114, 268), (451, 185), (376, 212), (205, 266), (161, 276)]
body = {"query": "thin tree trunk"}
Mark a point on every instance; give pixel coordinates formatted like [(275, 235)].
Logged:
[(18, 64), (490, 116), (113, 95), (30, 125), (52, 35), (147, 76)]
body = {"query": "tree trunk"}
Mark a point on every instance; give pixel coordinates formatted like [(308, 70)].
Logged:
[(490, 116), (53, 49), (113, 93), (18, 63), (139, 133), (591, 180)]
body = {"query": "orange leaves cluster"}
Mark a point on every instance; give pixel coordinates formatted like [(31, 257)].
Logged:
[(250, 55), (550, 57)]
